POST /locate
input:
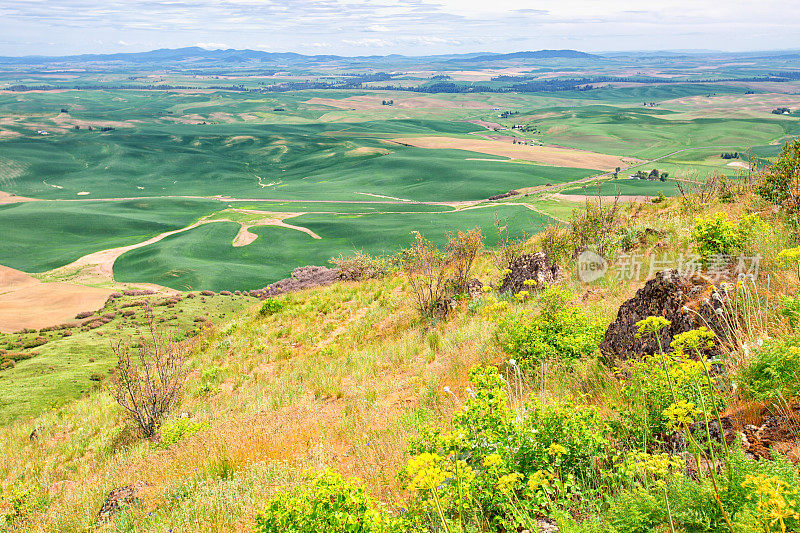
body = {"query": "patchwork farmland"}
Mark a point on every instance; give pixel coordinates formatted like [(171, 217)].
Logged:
[(144, 173)]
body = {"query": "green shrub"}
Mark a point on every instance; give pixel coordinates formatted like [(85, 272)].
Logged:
[(790, 308), (174, 430), (719, 236), (506, 465), (557, 331), (272, 306), (20, 503), (781, 182), (328, 504), (361, 266), (598, 227), (773, 371), (557, 244), (756, 493), (648, 410)]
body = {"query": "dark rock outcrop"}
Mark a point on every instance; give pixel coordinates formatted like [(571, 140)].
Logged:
[(117, 499), (534, 267), (474, 288), (686, 301), (508, 194), (778, 432), (302, 278)]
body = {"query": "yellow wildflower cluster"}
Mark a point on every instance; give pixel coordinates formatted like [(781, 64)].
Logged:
[(429, 471), (556, 450), (539, 479), (793, 354), (657, 466), (454, 439), (492, 460), (651, 324), (426, 471), (693, 340), (680, 414), (789, 256), (687, 371), (496, 306), (521, 295), (507, 482), (774, 502), (486, 288), (530, 282)]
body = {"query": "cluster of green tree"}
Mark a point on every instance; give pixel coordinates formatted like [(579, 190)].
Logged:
[(787, 74), (781, 111), (652, 175), (506, 114), (387, 102), (729, 155)]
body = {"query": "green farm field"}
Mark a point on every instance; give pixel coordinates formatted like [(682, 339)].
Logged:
[(204, 258), (118, 167)]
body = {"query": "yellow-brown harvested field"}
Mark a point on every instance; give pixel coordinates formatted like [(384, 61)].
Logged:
[(726, 106), (26, 302), (417, 102), (548, 155)]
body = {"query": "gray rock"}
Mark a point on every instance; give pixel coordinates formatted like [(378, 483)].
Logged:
[(119, 498), (534, 267)]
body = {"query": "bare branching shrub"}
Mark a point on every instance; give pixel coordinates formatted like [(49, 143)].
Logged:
[(462, 249), (557, 244), (780, 183), (597, 227), (149, 377), (429, 274), (361, 266), (508, 249), (437, 276)]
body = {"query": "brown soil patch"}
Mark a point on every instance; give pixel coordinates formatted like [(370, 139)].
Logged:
[(416, 102), (239, 138), (8, 198), (64, 119), (222, 117), (26, 302), (245, 236), (367, 150), (487, 125), (548, 155)]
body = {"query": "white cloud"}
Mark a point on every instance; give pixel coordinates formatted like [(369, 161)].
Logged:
[(411, 26), (367, 42), (214, 46)]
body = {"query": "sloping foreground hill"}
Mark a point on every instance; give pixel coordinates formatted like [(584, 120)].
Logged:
[(491, 412)]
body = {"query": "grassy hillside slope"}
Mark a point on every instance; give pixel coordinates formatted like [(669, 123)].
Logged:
[(348, 377)]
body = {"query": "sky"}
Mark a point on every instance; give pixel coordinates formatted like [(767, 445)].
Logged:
[(411, 27)]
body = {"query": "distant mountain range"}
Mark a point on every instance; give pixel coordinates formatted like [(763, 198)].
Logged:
[(195, 54), (539, 54)]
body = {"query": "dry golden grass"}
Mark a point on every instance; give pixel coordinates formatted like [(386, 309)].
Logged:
[(344, 376), (549, 155)]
